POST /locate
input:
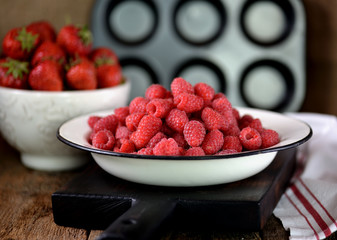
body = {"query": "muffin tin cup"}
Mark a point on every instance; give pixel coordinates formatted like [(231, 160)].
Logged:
[(213, 42)]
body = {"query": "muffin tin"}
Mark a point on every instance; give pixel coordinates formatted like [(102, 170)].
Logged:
[(252, 50)]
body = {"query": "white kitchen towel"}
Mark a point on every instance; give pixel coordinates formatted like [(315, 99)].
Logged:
[(308, 208)]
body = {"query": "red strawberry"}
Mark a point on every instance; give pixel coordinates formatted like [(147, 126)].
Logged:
[(81, 74), (103, 55), (45, 76), (49, 51), (44, 29), (19, 43), (109, 75), (109, 72), (13, 73), (75, 40)]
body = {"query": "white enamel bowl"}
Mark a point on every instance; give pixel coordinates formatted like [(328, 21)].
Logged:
[(189, 171), (29, 121)]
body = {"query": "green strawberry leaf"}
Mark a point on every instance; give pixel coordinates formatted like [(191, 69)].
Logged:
[(104, 61), (73, 62), (27, 39), (16, 68), (85, 34)]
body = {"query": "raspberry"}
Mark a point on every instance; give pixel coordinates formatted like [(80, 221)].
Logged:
[(159, 107), (108, 122), (194, 133), (245, 120), (103, 139), (91, 136), (133, 120), (233, 130), (148, 127), (250, 138), (122, 132), (226, 152), (181, 151), (195, 151), (230, 121), (218, 95), (138, 104), (179, 138), (256, 124), (155, 139), (116, 149), (167, 130), (126, 146), (155, 91), (184, 121), (176, 120), (166, 147), (121, 113), (92, 120), (232, 142), (204, 90), (236, 114), (145, 151), (188, 102), (180, 85), (213, 142), (207, 103), (269, 138), (213, 119), (222, 104), (196, 115)]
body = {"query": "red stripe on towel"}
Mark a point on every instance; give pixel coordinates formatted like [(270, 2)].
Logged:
[(326, 211), (305, 217), (325, 228)]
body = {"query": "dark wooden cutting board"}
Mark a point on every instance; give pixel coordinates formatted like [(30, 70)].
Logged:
[(97, 200)]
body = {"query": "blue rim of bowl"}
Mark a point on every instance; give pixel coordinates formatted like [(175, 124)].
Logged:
[(177, 158)]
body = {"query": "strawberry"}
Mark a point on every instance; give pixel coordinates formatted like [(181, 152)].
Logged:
[(103, 55), (49, 51), (19, 43), (109, 71), (13, 73), (46, 76), (45, 30), (109, 75), (75, 40), (81, 74)]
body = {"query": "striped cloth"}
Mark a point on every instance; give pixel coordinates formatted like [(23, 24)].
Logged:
[(308, 208)]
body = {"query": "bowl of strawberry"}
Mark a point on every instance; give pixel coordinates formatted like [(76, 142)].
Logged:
[(47, 77), (183, 137)]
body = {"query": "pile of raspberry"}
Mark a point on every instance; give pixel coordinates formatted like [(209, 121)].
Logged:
[(186, 121)]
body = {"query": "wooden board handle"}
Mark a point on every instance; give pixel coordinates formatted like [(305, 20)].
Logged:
[(141, 222)]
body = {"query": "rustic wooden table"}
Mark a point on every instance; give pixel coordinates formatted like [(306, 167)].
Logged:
[(26, 208)]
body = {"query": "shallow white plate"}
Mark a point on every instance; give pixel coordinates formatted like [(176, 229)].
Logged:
[(188, 171)]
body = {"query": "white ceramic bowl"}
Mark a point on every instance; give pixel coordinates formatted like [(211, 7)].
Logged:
[(29, 121), (185, 171)]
